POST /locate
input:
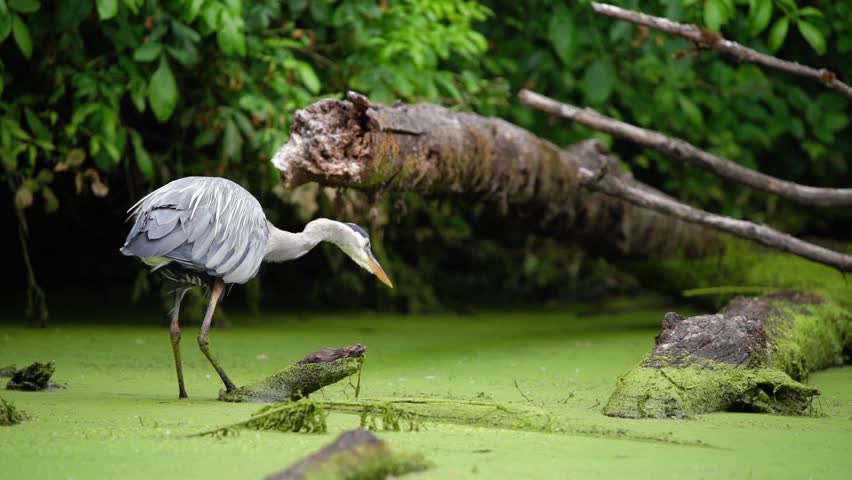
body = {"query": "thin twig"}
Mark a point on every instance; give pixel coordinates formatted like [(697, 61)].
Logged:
[(614, 186), (708, 40), (518, 387), (685, 151)]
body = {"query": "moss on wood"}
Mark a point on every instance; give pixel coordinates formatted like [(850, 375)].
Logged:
[(34, 377), (752, 356), (354, 455), (302, 378)]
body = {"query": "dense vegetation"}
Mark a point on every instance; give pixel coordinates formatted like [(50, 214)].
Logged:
[(101, 101)]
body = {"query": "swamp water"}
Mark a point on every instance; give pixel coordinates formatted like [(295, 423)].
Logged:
[(119, 416)]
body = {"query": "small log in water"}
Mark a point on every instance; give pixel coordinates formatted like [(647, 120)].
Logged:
[(34, 377), (752, 356), (306, 376), (355, 454)]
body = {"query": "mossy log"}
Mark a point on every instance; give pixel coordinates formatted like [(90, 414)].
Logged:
[(432, 150), (355, 455), (34, 377), (306, 376), (754, 355)]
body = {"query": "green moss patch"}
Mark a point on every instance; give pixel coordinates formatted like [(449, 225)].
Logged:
[(9, 414)]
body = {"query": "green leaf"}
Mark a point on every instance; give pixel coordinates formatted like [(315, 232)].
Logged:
[(187, 56), (5, 26), (51, 203), (107, 9), (137, 90), (809, 12), (308, 77), (777, 33), (232, 142), (147, 52), (691, 111), (230, 36), (205, 138), (296, 6), (24, 6), (143, 160), (813, 36), (69, 14), (759, 16), (561, 33), (598, 81), (163, 91), (36, 125), (22, 36), (835, 121), (715, 14)]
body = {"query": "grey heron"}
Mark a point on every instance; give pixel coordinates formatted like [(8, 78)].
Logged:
[(209, 232)]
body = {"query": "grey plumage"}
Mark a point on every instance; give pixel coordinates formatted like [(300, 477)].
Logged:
[(205, 224)]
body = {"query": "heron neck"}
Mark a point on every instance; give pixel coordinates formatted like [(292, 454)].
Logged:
[(283, 245)]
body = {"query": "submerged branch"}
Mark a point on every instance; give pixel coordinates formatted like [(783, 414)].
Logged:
[(708, 40), (684, 151), (609, 184), (306, 376)]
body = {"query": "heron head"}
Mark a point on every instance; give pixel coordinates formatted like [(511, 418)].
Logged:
[(356, 244)]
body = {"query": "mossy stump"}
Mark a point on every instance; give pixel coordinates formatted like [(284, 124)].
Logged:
[(355, 455), (752, 356), (306, 376)]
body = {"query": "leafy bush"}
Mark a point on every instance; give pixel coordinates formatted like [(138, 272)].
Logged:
[(100, 93)]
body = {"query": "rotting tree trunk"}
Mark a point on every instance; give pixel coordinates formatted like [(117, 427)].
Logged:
[(306, 376), (752, 356), (432, 150)]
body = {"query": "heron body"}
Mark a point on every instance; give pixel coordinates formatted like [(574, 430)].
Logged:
[(210, 231)]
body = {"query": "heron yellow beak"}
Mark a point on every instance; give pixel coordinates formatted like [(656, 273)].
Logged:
[(378, 271)]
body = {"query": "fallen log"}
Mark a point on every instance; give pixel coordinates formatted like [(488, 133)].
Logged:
[(435, 151), (306, 376), (754, 355), (355, 454)]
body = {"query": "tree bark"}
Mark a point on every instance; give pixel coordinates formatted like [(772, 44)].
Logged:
[(708, 40), (752, 356), (432, 150), (686, 152)]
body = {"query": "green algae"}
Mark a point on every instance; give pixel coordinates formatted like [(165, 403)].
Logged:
[(303, 416), (9, 414), (122, 412)]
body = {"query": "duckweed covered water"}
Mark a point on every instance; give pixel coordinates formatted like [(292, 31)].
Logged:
[(120, 417)]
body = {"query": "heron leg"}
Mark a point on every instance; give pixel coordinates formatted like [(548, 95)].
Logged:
[(215, 296), (174, 333)]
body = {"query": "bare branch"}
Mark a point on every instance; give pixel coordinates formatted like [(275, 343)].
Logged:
[(682, 150), (614, 186), (708, 40)]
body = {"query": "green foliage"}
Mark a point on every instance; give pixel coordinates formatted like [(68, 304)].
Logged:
[(96, 93)]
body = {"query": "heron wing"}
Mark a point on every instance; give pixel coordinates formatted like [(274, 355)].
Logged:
[(203, 223)]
